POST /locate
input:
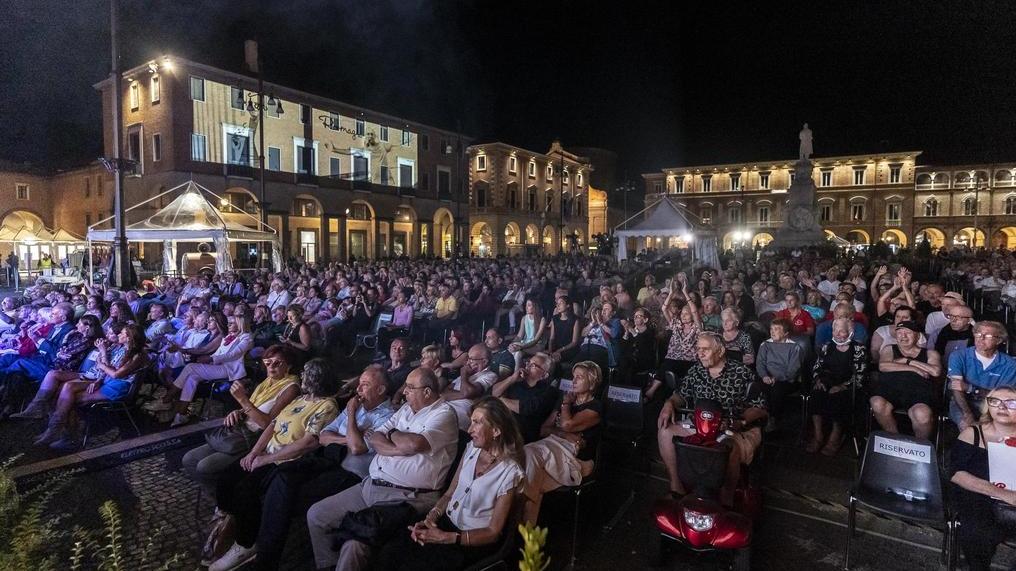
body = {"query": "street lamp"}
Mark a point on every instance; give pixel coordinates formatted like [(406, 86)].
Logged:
[(255, 107)]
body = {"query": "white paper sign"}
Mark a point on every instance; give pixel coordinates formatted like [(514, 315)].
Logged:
[(621, 394), (564, 385), (903, 449), (1002, 465)]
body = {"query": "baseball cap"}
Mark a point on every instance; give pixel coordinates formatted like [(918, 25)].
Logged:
[(911, 325), (954, 295)]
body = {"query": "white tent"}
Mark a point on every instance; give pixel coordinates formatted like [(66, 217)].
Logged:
[(190, 217), (668, 219)]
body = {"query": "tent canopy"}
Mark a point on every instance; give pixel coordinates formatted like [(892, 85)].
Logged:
[(667, 218), (190, 217)]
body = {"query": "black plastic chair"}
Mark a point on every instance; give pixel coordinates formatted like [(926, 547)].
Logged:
[(124, 406), (368, 340), (576, 492), (625, 424), (899, 478), (507, 552)]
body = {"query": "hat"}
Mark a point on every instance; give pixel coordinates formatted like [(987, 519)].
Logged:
[(911, 325), (954, 295)]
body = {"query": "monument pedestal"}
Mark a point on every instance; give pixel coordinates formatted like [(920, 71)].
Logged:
[(800, 222)]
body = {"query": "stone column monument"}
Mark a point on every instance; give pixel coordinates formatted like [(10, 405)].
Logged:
[(800, 220)]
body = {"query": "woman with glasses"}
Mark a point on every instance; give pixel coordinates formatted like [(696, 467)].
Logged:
[(638, 347), (257, 410), (985, 511)]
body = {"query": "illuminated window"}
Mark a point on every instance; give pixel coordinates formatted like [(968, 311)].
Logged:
[(135, 93), (858, 176), (857, 212), (155, 89), (512, 164), (931, 207), (826, 178), (763, 181), (894, 173), (481, 162), (197, 88), (707, 184), (532, 169), (735, 182), (892, 212)]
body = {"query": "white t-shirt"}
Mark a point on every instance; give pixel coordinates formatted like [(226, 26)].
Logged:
[(436, 423), (472, 502), (829, 288), (485, 379), (985, 361)]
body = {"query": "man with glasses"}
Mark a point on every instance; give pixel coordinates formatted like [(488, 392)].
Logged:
[(529, 394), (937, 320), (475, 379), (959, 334), (415, 450), (975, 371)]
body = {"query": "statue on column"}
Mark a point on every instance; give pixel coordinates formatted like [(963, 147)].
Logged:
[(806, 148)]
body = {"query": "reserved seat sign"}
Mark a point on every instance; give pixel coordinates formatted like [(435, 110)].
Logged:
[(903, 449), (1002, 465)]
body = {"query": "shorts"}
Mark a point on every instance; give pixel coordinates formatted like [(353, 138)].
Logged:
[(905, 393), (115, 389)]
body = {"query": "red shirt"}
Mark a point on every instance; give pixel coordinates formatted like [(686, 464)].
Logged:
[(799, 324)]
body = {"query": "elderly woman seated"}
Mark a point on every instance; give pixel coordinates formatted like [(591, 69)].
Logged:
[(565, 454), (257, 410), (978, 501), (118, 364), (778, 364), (469, 520), (840, 367)]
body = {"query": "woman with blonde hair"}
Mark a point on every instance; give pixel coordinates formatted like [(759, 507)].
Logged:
[(565, 454)]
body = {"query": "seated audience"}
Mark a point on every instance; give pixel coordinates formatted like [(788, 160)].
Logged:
[(975, 371), (906, 381), (529, 394), (474, 381), (779, 361), (840, 367)]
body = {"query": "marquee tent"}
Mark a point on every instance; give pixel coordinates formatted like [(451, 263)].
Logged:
[(667, 219), (190, 217)]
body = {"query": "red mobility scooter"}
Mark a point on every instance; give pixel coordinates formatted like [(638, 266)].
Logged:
[(699, 521)]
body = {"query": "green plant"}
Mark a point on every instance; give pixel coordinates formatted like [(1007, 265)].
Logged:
[(533, 540)]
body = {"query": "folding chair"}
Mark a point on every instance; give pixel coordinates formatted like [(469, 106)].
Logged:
[(369, 340), (506, 552), (124, 406), (899, 478), (576, 492), (624, 423)]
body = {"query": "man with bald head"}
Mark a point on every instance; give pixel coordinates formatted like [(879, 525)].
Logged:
[(939, 319), (415, 451), (959, 334), (824, 331)]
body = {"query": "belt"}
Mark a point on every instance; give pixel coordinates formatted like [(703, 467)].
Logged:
[(387, 484)]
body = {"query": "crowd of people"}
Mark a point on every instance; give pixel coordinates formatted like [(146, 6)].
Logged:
[(487, 385)]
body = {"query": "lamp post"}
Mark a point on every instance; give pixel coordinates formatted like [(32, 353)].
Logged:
[(121, 277), (255, 107), (977, 207)]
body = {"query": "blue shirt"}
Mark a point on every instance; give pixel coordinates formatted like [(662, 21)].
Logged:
[(824, 333), (365, 420), (1000, 373)]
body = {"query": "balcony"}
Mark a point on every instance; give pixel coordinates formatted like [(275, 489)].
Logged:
[(893, 223), (238, 170)]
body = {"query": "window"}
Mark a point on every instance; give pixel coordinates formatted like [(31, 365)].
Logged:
[(334, 166), (134, 151), (361, 127), (513, 197), (1010, 205), (857, 212), (135, 95), (157, 147), (199, 147), (735, 182), (657, 187), (405, 174), (931, 207), (88, 187), (274, 159), (532, 169), (894, 173), (384, 175), (513, 165), (98, 185), (858, 176), (679, 185), (406, 136), (88, 219), (304, 207), (236, 99), (734, 214), (791, 174), (707, 214), (238, 146), (197, 88), (969, 206), (304, 113), (550, 200), (334, 121), (305, 156), (155, 89), (578, 179), (707, 184), (481, 196), (481, 162), (384, 133), (892, 212), (23, 191), (532, 199), (361, 166), (444, 182), (826, 178), (273, 110), (308, 245), (763, 214), (825, 212), (567, 178), (425, 143), (763, 181)]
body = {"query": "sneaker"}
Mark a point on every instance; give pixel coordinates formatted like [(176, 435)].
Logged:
[(235, 557), (180, 420)]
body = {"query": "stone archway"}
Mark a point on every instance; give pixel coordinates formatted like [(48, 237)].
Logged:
[(1005, 238), (550, 244), (892, 236), (444, 232), (932, 235), (481, 240), (969, 237), (858, 237), (761, 239)]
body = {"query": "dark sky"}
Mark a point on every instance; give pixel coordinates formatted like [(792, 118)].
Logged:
[(660, 83)]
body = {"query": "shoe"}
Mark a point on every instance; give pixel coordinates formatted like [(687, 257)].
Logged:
[(53, 432), (157, 406), (235, 557), (180, 420), (66, 444), (35, 411)]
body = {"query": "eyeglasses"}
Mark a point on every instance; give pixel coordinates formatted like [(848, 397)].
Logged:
[(998, 403), (273, 362), (988, 336), (476, 359), (953, 316), (538, 366), (408, 387)]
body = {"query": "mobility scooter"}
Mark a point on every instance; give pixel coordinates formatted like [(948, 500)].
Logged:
[(698, 520)]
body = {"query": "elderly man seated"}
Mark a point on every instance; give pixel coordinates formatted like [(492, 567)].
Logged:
[(905, 381), (474, 381), (529, 394), (824, 331), (975, 371), (415, 450), (729, 383)]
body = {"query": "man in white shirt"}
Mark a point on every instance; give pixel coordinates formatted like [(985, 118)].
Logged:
[(475, 380), (279, 296), (830, 286), (935, 321), (415, 451)]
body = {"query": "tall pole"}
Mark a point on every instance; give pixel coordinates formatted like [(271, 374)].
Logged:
[(122, 267), (261, 163), (977, 207)]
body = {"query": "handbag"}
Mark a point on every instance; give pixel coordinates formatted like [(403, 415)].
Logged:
[(231, 440)]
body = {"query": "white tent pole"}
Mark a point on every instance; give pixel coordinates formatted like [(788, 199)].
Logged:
[(91, 271), (632, 217)]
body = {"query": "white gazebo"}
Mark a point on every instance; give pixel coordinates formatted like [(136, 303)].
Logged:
[(190, 217), (667, 219)]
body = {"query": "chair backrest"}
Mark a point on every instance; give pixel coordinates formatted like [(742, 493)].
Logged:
[(89, 361), (901, 464), (382, 319), (564, 385), (624, 408)]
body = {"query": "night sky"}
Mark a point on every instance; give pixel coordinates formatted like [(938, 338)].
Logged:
[(661, 83)]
